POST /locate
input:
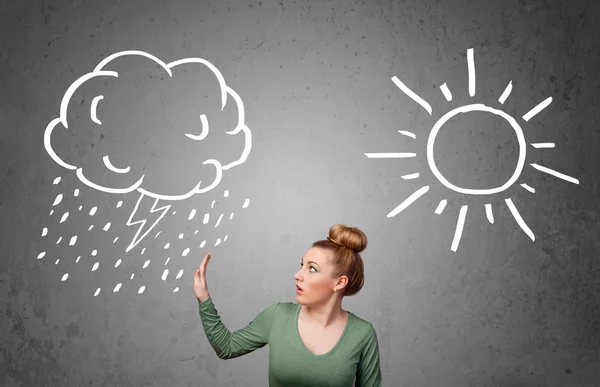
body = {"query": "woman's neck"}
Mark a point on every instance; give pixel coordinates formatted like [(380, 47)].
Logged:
[(323, 315)]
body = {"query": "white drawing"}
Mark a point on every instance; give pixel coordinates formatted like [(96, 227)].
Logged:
[(110, 163), (431, 156), (227, 94)]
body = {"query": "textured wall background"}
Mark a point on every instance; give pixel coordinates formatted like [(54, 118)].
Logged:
[(315, 80)]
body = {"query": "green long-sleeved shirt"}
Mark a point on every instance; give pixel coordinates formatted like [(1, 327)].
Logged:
[(291, 364)]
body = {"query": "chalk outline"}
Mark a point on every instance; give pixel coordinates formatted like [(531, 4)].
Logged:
[(431, 140), (98, 71)]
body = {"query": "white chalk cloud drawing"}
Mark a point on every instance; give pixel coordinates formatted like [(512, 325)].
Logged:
[(138, 178), (476, 107)]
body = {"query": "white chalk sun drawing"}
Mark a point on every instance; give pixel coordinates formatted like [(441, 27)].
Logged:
[(144, 225), (434, 169)]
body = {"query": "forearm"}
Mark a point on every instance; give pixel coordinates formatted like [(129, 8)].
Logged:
[(216, 332)]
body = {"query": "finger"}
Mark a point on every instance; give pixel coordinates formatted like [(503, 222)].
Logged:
[(203, 260), (204, 263)]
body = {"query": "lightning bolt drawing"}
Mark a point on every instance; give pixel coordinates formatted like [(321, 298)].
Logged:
[(142, 222)]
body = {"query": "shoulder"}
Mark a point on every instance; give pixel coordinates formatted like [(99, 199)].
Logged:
[(280, 308), (363, 327), (287, 307)]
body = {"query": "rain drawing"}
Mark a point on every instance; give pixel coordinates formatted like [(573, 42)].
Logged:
[(150, 129), (476, 107)]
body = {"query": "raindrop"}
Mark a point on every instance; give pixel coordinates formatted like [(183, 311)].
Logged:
[(118, 263), (141, 290), (179, 274), (131, 276), (97, 292), (115, 241), (181, 236), (212, 205), (93, 211), (167, 261), (57, 200), (192, 214), (185, 252), (95, 266), (64, 217), (246, 203), (174, 212), (94, 252), (231, 216), (206, 218), (225, 239), (76, 192), (146, 264), (218, 242), (64, 277), (73, 240), (41, 255), (157, 234), (165, 274), (91, 227), (44, 231), (176, 290), (80, 208), (51, 212), (117, 288), (106, 226), (219, 221), (57, 261), (167, 245), (226, 193), (143, 251), (58, 241), (120, 203), (56, 181), (78, 258), (202, 244), (195, 232)]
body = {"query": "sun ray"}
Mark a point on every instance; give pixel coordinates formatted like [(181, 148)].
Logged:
[(554, 173), (408, 201), (411, 94), (411, 176), (471, 66), (446, 91), (543, 145), (407, 133), (528, 188), (441, 206), (389, 155), (460, 223), (541, 106), (518, 218), (505, 93), (489, 213)]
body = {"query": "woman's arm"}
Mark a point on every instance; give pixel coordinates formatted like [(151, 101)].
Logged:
[(368, 373), (229, 345)]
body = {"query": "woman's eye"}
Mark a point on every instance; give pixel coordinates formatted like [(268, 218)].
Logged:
[(312, 267)]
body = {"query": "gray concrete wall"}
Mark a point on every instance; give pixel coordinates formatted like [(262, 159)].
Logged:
[(316, 83)]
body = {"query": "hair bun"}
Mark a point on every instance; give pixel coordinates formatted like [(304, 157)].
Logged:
[(350, 237)]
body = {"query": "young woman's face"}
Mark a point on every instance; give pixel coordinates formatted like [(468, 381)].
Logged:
[(314, 280)]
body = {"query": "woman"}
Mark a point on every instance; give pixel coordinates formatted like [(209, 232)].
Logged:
[(313, 342)]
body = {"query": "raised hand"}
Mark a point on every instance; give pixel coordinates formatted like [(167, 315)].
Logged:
[(200, 287)]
